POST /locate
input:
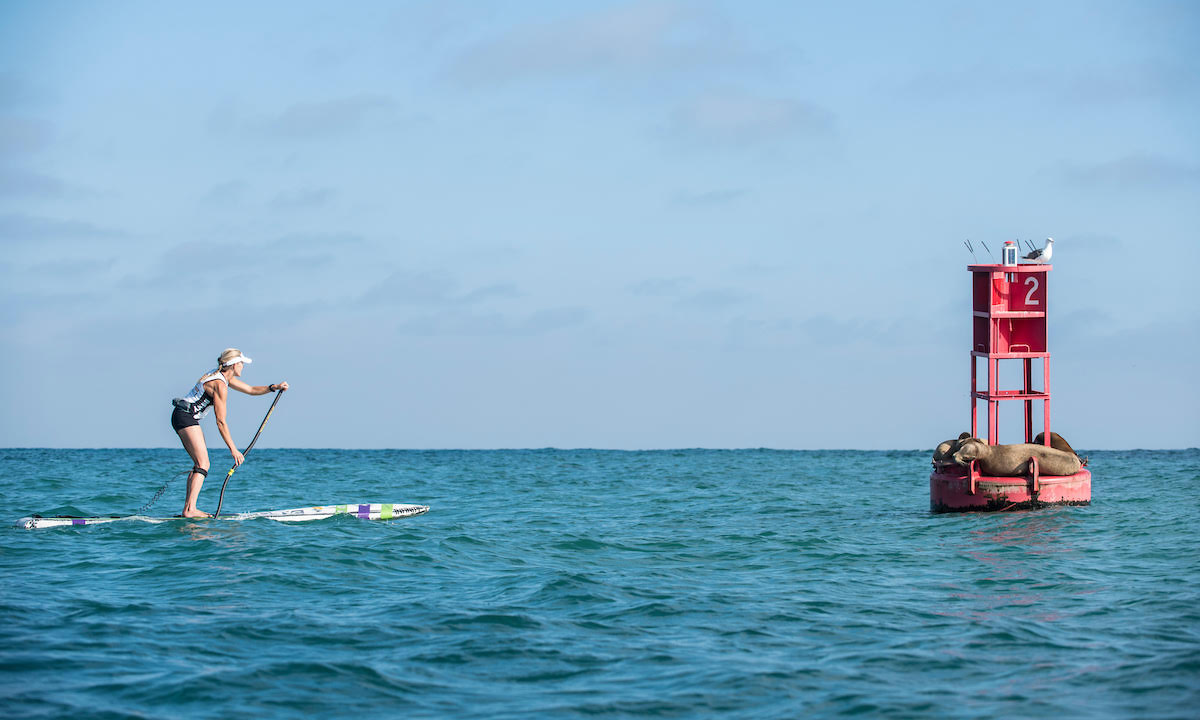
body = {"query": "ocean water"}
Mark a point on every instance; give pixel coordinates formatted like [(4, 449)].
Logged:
[(585, 584)]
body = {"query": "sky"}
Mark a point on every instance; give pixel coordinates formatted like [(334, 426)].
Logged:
[(591, 224)]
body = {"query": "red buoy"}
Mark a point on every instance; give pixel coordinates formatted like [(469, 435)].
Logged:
[(1008, 323)]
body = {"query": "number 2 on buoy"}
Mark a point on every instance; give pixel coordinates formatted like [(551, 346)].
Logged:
[(1029, 298)]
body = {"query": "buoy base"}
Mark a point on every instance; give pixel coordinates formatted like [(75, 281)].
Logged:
[(953, 488)]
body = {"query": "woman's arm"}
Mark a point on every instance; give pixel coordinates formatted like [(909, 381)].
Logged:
[(219, 394), (237, 384)]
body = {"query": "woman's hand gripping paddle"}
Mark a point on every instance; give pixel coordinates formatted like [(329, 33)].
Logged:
[(278, 394)]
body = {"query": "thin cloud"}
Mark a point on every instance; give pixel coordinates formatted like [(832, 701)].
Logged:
[(328, 57), (743, 119), (16, 227), (23, 135), (15, 182), (972, 83), (158, 320), (315, 120), (1089, 86), (317, 242), (457, 322), (305, 198), (643, 38), (1134, 171), (680, 293), (236, 194), (1112, 85), (453, 323), (553, 319), (21, 304), (716, 299), (14, 91), (709, 198), (226, 194), (755, 271), (827, 330), (432, 288), (299, 252), (661, 287), (411, 288), (500, 291), (73, 267)]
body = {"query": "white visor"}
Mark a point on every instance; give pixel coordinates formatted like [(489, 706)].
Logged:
[(236, 360)]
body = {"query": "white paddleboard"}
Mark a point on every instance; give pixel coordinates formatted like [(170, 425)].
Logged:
[(371, 511)]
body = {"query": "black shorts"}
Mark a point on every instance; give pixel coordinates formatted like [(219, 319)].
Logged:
[(181, 419)]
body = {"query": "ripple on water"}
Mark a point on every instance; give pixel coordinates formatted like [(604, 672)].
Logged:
[(751, 584)]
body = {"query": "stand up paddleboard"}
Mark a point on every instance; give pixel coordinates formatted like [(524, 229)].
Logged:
[(373, 511)]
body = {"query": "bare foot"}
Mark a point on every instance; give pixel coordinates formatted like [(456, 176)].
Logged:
[(196, 514)]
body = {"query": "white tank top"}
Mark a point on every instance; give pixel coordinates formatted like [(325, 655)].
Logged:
[(200, 401)]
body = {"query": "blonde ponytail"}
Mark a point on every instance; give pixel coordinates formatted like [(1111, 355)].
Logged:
[(226, 355)]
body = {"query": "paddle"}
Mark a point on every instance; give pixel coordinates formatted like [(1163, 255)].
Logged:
[(278, 394)]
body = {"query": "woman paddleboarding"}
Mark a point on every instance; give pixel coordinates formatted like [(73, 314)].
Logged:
[(211, 391)]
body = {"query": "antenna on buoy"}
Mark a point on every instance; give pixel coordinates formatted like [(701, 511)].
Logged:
[(1030, 244), (971, 250), (989, 250)]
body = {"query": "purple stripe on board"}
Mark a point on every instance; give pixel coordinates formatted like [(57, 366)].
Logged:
[(364, 512), (78, 521)]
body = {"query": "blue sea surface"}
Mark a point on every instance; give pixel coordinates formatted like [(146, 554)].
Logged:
[(587, 583)]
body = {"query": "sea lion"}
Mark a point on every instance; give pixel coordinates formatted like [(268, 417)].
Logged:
[(944, 452), (1056, 441), (1013, 460)]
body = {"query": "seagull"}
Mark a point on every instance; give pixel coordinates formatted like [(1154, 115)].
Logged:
[(1043, 255)]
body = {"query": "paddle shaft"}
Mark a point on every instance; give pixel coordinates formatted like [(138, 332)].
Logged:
[(278, 394)]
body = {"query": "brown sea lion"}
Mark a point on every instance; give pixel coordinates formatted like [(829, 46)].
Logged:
[(944, 452), (1013, 460), (1056, 441)]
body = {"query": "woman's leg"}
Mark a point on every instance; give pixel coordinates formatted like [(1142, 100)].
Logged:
[(193, 442)]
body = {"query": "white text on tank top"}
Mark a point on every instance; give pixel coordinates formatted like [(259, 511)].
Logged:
[(200, 400)]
